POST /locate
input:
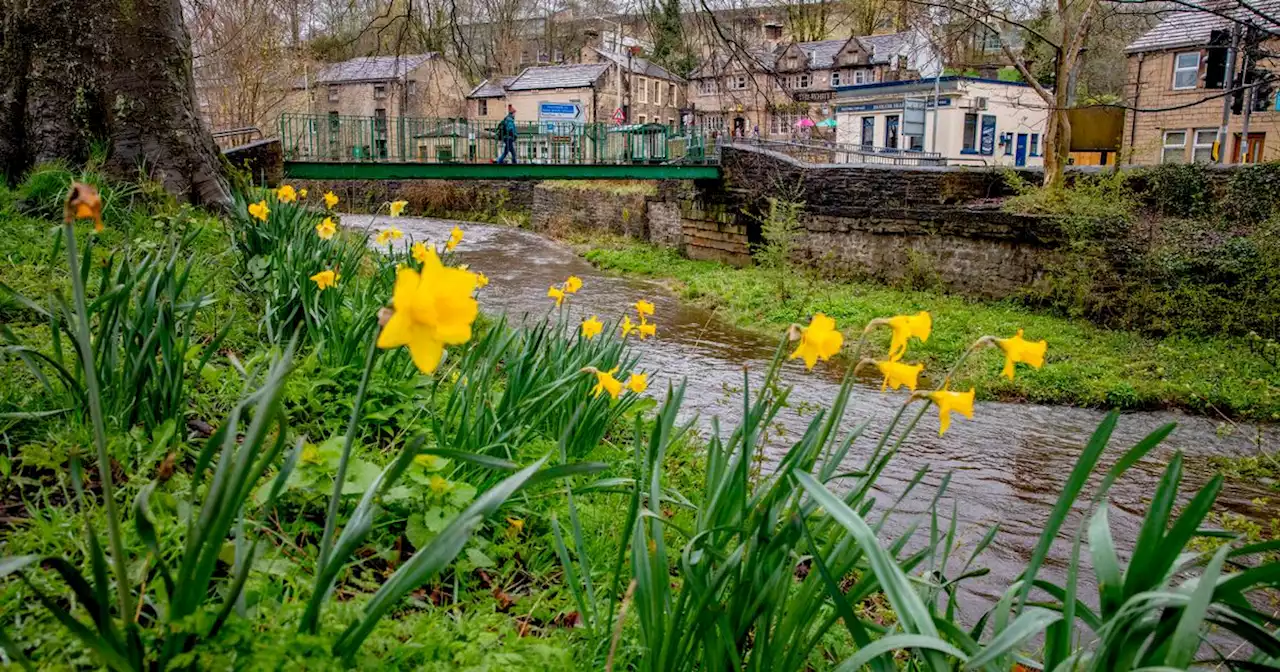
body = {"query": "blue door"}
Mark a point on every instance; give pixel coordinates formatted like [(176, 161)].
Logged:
[(1020, 151)]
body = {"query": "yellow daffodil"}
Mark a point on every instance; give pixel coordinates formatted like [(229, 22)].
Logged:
[(302, 193), (432, 308), (591, 327), (330, 199), (557, 294), (439, 485), (897, 374), (429, 462), (605, 382), (643, 308), (627, 326), (311, 454), (647, 329), (325, 279), (286, 194), (259, 210), (1018, 349), (84, 202), (455, 237), (482, 280), (904, 327), (948, 401), (397, 207), (386, 235), (638, 382), (572, 284), (326, 229), (515, 526), (819, 340), (420, 253)]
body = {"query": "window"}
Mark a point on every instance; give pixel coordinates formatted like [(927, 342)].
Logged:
[(380, 132), (413, 87), (671, 122), (1035, 144), (1186, 70), (714, 122), (868, 132), (801, 81), (773, 32), (335, 124), (657, 93), (708, 87), (644, 90), (970, 144), (835, 78), (782, 123), (333, 94), (642, 118), (891, 131), (379, 91), (987, 141), (671, 95), (737, 82), (860, 77), (1175, 147), (482, 106), (1202, 145)]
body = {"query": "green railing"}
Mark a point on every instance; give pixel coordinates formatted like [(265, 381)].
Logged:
[(348, 139)]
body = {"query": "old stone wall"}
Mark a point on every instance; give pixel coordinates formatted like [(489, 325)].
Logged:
[(486, 200), (263, 160), (557, 207)]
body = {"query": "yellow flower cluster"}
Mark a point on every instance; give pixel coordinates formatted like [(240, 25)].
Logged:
[(645, 329), (397, 207), (385, 236), (326, 228), (286, 194), (605, 382), (820, 340), (259, 210), (591, 327), (330, 199), (571, 285), (325, 279), (455, 237)]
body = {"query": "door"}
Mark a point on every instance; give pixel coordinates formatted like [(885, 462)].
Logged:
[(891, 132), (1020, 151), (868, 132), (1254, 154), (739, 127)]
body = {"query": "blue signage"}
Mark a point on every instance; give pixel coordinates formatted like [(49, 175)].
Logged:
[(895, 105), (559, 112), (988, 134)]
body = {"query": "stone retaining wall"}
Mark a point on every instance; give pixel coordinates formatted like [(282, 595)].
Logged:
[(556, 208), (486, 200)]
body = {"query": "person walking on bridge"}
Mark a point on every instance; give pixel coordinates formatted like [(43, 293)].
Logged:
[(507, 133)]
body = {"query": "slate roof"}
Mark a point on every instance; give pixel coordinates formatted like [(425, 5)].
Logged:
[(822, 54), (639, 66), (558, 77), (491, 88), (371, 68), (1186, 27)]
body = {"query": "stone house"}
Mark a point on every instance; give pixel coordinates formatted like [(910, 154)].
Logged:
[(417, 85), (1182, 64), (769, 92), (594, 90)]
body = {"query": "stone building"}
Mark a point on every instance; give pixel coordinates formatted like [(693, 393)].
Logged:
[(417, 85), (769, 92), (597, 88), (1182, 64)]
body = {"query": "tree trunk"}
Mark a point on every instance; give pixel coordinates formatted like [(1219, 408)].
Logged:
[(75, 74)]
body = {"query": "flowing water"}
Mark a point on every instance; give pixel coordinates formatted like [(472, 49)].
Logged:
[(1007, 465)]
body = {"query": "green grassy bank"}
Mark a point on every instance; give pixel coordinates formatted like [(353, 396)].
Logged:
[(1086, 365)]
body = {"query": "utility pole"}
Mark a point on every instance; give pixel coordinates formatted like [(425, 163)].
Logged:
[(1247, 79), (1229, 80)]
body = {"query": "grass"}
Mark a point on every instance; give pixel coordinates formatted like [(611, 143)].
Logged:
[(616, 187), (1086, 365)]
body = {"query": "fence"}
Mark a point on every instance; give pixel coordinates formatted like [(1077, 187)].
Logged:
[(831, 152), (405, 139)]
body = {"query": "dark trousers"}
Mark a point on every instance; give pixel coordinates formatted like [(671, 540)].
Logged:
[(508, 149)]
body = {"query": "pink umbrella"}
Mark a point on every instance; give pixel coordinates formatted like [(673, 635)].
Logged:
[(805, 122)]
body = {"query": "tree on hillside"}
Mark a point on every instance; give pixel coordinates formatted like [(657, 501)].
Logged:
[(670, 50), (78, 72)]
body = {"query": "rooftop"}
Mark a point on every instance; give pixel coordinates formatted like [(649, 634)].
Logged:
[(1192, 22), (822, 54), (639, 66), (491, 88), (574, 76), (371, 68)]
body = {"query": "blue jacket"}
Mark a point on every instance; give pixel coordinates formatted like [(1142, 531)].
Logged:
[(507, 131)]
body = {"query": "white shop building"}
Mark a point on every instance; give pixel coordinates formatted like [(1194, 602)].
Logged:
[(967, 120)]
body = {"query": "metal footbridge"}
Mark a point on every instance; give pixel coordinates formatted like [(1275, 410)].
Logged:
[(338, 147)]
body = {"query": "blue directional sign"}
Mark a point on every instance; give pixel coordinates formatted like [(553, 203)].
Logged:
[(559, 112)]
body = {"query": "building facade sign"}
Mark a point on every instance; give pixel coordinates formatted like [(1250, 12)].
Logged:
[(889, 105)]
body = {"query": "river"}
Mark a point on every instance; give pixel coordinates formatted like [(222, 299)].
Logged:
[(1008, 464)]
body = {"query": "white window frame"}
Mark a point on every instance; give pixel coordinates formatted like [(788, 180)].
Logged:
[(379, 91), (671, 95), (1180, 69), (644, 90), (334, 93), (708, 87), (737, 83), (860, 77), (1199, 144), (482, 107), (835, 78), (1180, 147), (782, 123), (657, 93)]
